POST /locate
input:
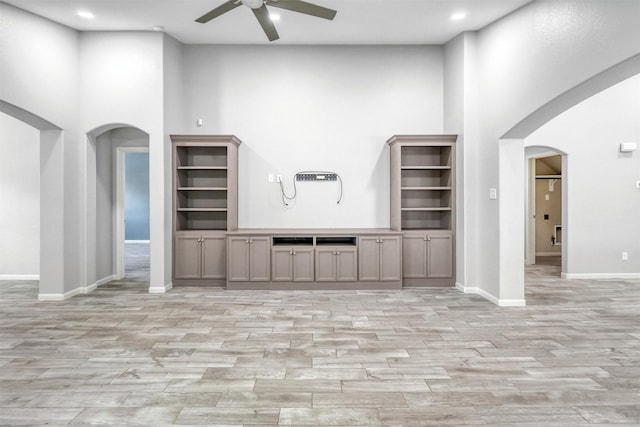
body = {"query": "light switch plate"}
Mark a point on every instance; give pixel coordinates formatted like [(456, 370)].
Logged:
[(493, 193)]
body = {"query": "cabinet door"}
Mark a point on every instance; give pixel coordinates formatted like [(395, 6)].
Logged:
[(414, 256), (282, 264), (259, 259), (303, 264), (440, 254), (214, 257), (369, 258), (238, 262), (390, 262), (325, 264), (188, 257), (347, 262)]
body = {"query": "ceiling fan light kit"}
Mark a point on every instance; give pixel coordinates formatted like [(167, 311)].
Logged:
[(259, 8)]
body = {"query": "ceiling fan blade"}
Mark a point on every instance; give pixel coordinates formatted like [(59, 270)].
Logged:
[(266, 23), (223, 8), (304, 7)]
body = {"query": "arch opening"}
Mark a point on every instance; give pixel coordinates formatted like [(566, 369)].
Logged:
[(511, 261), (106, 194)]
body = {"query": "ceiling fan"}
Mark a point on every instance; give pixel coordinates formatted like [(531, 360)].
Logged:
[(261, 12)]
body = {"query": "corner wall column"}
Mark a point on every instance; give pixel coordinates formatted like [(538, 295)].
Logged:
[(511, 202)]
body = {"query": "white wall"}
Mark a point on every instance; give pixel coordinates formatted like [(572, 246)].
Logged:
[(20, 196), (314, 108), (122, 84), (523, 62), (603, 201), (175, 122), (460, 118), (40, 75), (105, 207)]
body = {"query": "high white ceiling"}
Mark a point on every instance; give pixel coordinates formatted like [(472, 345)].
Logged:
[(357, 21)]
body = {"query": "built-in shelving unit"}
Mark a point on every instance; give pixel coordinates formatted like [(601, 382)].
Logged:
[(202, 185), (205, 204), (425, 187), (423, 204)]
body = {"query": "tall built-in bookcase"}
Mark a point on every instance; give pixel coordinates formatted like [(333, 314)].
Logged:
[(205, 201), (423, 205)]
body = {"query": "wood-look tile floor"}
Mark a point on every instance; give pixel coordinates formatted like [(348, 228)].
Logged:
[(414, 357)]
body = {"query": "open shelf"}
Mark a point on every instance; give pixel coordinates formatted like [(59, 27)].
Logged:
[(201, 157), (424, 156), (423, 219), (205, 182)]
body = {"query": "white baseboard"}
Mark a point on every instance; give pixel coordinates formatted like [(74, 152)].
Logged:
[(66, 295), (19, 277), (512, 303), (161, 289), (137, 241), (484, 294), (77, 291), (548, 253), (105, 280), (600, 276)]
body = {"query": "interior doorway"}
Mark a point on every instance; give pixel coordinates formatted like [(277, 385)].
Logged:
[(20, 195), (136, 215), (545, 207), (133, 229)]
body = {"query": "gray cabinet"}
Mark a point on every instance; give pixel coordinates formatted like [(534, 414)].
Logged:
[(248, 259), (427, 255), (423, 196), (336, 264), (205, 205), (379, 258), (292, 264), (199, 256)]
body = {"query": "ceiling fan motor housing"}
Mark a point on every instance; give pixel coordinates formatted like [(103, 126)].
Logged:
[(253, 4)]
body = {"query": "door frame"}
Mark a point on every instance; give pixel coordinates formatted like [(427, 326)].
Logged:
[(120, 205), (532, 153)]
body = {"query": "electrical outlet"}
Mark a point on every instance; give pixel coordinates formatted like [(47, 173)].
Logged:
[(625, 256), (270, 177)]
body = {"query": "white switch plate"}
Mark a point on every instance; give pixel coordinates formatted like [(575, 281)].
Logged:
[(546, 197), (493, 193), (270, 177), (625, 256)]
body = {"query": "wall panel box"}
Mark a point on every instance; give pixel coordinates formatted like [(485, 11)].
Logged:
[(628, 147), (205, 206), (423, 196)]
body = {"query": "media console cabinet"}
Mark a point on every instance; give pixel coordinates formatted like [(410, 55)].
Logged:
[(417, 250), (314, 259)]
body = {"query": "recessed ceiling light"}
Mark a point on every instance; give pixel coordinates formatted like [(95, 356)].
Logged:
[(458, 16), (85, 14), (274, 16)]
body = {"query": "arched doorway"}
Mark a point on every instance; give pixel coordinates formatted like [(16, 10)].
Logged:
[(106, 188), (52, 265), (512, 177)]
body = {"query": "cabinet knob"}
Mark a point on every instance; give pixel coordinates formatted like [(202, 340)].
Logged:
[(338, 253), (246, 241), (250, 241), (294, 253), (291, 252), (428, 239)]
